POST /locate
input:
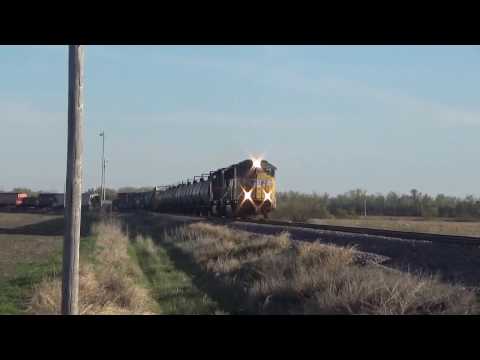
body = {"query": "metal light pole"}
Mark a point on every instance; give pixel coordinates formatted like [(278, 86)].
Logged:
[(365, 205), (102, 185), (105, 161)]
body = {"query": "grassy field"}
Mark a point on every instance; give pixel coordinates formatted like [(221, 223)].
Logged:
[(258, 274), (158, 267), (247, 273), (30, 248), (127, 275), (118, 275), (437, 226), (172, 288), (110, 280)]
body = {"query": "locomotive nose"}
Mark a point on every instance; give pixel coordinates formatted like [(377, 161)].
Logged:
[(257, 196)]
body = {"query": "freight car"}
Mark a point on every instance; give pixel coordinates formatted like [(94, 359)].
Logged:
[(30, 202), (57, 200), (132, 200), (51, 200), (121, 202), (240, 190), (128, 200), (12, 199)]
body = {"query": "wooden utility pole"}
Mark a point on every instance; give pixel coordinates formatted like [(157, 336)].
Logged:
[(73, 196)]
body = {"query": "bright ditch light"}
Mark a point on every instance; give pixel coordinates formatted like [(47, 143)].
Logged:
[(247, 195), (268, 196)]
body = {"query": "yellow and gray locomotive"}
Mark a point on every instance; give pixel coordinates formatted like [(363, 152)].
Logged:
[(240, 190)]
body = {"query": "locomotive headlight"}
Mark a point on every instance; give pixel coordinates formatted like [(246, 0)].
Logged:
[(268, 196), (247, 195), (257, 163)]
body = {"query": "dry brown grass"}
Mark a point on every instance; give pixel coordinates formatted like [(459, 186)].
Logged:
[(109, 285), (439, 226), (276, 275)]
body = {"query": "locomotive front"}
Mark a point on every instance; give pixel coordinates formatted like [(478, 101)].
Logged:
[(256, 188), (243, 189)]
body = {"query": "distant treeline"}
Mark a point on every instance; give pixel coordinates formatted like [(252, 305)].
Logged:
[(299, 207)]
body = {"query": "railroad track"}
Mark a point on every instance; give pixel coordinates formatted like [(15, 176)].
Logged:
[(404, 235), (453, 258), (408, 235), (434, 238)]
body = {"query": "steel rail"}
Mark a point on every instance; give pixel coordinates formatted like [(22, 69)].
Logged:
[(434, 238)]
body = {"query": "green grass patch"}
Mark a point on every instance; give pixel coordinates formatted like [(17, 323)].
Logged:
[(87, 248), (171, 288), (15, 292)]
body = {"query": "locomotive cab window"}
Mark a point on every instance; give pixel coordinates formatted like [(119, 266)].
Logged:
[(269, 169)]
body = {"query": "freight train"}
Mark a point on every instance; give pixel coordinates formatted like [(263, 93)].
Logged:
[(44, 200), (245, 189)]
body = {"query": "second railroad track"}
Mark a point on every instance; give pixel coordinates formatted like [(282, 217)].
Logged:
[(434, 238)]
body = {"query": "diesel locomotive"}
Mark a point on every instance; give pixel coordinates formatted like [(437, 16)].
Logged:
[(240, 190)]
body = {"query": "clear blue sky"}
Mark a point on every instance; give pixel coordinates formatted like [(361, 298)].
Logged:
[(331, 118)]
